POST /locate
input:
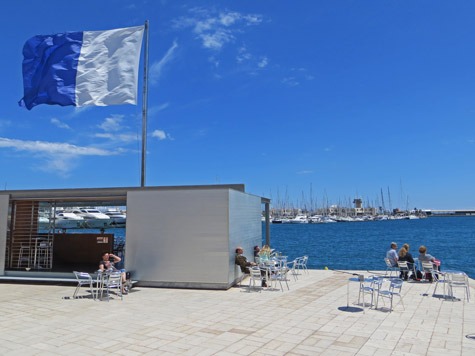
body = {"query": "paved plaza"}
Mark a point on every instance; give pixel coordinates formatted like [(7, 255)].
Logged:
[(306, 320)]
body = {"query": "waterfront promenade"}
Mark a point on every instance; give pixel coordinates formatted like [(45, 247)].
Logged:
[(36, 320)]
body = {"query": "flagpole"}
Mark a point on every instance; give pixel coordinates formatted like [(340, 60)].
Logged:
[(144, 105)]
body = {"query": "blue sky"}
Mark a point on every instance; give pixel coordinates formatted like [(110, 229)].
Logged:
[(341, 97)]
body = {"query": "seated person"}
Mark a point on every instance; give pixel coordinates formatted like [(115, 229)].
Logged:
[(256, 254), (242, 262), (107, 263), (264, 254), (392, 254), (406, 256), (424, 256), (410, 260)]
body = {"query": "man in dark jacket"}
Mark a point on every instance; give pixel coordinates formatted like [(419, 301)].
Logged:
[(242, 261)]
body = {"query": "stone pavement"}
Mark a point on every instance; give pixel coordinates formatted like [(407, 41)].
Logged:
[(36, 320)]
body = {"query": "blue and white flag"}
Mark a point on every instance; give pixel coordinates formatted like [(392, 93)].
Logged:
[(82, 68)]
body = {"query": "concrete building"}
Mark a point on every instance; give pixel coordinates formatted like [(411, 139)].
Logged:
[(179, 236)]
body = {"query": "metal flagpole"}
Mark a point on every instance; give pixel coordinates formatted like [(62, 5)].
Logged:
[(144, 105)]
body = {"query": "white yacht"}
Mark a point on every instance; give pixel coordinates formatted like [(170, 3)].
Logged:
[(118, 218), (93, 218), (68, 221), (299, 219)]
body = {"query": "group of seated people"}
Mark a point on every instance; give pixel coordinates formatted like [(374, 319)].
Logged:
[(403, 255), (260, 255)]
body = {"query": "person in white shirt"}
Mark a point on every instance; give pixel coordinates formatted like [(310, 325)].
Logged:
[(392, 254)]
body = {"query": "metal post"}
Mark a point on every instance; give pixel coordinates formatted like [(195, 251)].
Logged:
[(267, 224), (144, 105)]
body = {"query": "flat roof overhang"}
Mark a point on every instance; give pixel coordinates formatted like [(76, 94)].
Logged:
[(106, 194)]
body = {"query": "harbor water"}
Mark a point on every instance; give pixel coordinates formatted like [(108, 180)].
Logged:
[(363, 245)]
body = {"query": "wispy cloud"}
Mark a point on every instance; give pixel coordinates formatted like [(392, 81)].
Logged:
[(52, 148), (243, 55), (157, 108), (298, 74), (60, 124), (156, 69), (263, 62), (115, 131), (161, 135), (56, 157), (80, 110), (290, 81), (304, 172), (122, 137), (112, 123), (216, 28)]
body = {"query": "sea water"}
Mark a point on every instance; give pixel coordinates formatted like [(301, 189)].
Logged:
[(363, 245)]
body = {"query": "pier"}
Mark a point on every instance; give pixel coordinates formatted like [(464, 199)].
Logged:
[(459, 212), (305, 320)]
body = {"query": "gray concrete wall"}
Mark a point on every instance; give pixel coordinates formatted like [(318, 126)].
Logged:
[(4, 202), (178, 238), (245, 227)]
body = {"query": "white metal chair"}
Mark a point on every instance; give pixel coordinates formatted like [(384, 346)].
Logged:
[(394, 290), (255, 275), (403, 268), (302, 263), (83, 278), (458, 280), (444, 280), (389, 267), (291, 268), (113, 280), (368, 287), (24, 255), (279, 274), (428, 269)]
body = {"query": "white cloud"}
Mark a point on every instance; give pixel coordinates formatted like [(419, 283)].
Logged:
[(52, 148), (156, 69), (78, 110), (304, 172), (157, 108), (327, 149), (161, 135), (263, 63), (243, 54), (123, 137), (290, 81), (112, 123), (216, 28), (54, 157), (60, 124)]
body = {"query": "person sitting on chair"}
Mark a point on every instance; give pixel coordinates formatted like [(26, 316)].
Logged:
[(405, 256), (264, 254), (423, 257), (242, 262), (410, 262), (392, 254), (107, 263), (257, 249)]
